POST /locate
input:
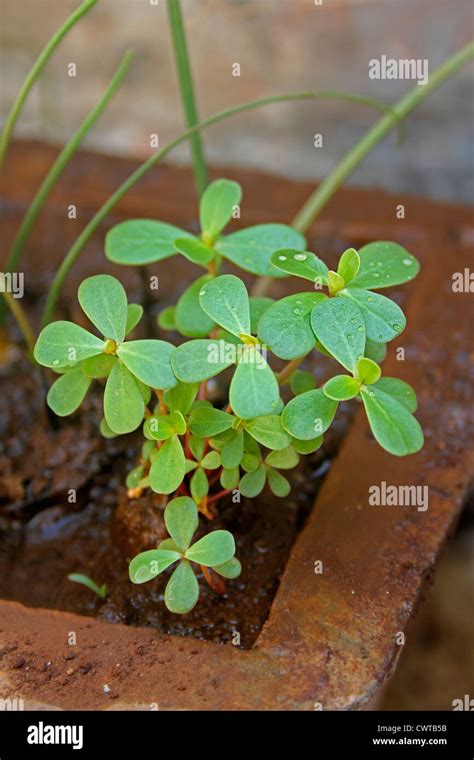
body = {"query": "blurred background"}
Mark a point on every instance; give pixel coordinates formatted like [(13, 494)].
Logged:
[(281, 46)]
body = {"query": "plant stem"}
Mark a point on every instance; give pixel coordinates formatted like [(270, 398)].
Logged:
[(60, 164), (35, 71), (22, 320), (318, 199), (96, 220), (186, 87)]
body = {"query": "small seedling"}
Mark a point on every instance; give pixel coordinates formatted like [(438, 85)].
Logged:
[(84, 580), (197, 451), (215, 550)]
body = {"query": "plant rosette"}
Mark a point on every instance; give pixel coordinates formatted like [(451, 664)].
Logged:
[(197, 451)]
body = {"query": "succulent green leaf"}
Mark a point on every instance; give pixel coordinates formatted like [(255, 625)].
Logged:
[(393, 426), (211, 461), (189, 317), (341, 388), (225, 300), (141, 241), (309, 415), (104, 300), (200, 359), (254, 390), (84, 580), (134, 315), (384, 264), (194, 250), (213, 549), (230, 569), (166, 318), (307, 447), (67, 392), (217, 206), (335, 282), (98, 366), (62, 344), (251, 249), (230, 478), (169, 545), (375, 351), (284, 459), (199, 485), (258, 307), (180, 398), (302, 264), (189, 466), (368, 372), (250, 462), (302, 381), (232, 451), (384, 320), (123, 401), (105, 430), (178, 422), (278, 483), (150, 361), (197, 446), (182, 590), (339, 325), (399, 390), (253, 482), (158, 427), (168, 468), (181, 520), (134, 476), (268, 431), (147, 565), (207, 421), (285, 327), (349, 265)]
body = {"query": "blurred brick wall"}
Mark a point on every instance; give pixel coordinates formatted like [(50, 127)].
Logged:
[(281, 45)]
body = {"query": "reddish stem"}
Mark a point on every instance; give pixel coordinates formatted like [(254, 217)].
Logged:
[(218, 495)]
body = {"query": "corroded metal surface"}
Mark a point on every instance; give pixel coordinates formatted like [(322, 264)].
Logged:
[(331, 638)]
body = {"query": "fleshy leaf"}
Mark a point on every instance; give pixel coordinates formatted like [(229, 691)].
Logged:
[(393, 426), (230, 569), (251, 249), (199, 485), (166, 318), (178, 422), (232, 451), (217, 205), (147, 565), (375, 351), (213, 549), (104, 300), (399, 390), (284, 459), (141, 241), (158, 428), (181, 397), (225, 300), (341, 388), (258, 307), (278, 483), (200, 359), (67, 392), (301, 264), (150, 361), (168, 468), (63, 344), (268, 431), (98, 366), (339, 325), (134, 315), (285, 327), (123, 401), (253, 389), (302, 381), (207, 421), (384, 320), (211, 461), (348, 265), (230, 478), (189, 317), (307, 447), (182, 590), (181, 520), (105, 430), (383, 264), (194, 250), (308, 415), (253, 482), (368, 372)]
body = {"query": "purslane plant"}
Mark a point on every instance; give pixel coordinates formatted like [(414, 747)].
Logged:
[(198, 451)]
